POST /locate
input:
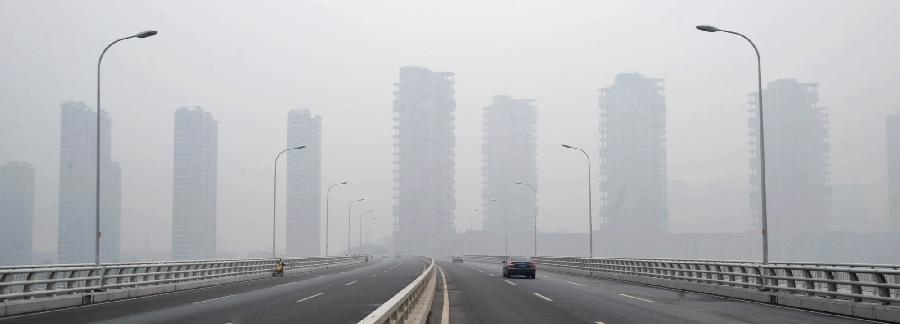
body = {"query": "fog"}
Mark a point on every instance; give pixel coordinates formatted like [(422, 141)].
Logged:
[(249, 63)]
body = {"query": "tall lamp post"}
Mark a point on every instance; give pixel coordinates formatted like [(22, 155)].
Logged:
[(143, 34), (275, 191), (506, 222), (762, 137), (369, 236), (534, 198), (590, 202), (349, 221), (360, 227), (327, 218)]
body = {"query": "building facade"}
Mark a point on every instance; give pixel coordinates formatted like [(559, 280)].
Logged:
[(77, 187), (509, 149), (304, 184), (424, 161), (797, 162), (893, 167), (194, 185), (16, 213), (632, 156)]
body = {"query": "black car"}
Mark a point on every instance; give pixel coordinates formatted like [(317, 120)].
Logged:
[(457, 258), (519, 266)]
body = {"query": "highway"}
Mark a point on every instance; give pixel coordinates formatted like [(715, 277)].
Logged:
[(479, 294), (344, 295)]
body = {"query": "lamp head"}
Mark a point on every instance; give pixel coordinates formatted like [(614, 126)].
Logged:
[(361, 199), (519, 182), (145, 34), (299, 147), (708, 28), (493, 199), (345, 182), (567, 146)]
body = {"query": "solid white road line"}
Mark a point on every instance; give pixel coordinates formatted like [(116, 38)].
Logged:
[(311, 297), (509, 282), (543, 297), (599, 322), (445, 310), (211, 299), (638, 298), (350, 283)]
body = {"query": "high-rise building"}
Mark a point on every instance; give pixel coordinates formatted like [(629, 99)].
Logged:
[(893, 167), (798, 189), (16, 213), (304, 183), (77, 187), (633, 182), (509, 148), (194, 185), (424, 143)]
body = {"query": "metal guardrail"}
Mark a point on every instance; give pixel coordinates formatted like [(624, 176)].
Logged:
[(29, 282), (878, 283), (398, 308)]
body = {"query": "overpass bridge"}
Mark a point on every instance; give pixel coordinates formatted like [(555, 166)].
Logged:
[(413, 289)]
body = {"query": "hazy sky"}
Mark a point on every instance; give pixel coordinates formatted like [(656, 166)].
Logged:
[(249, 62)]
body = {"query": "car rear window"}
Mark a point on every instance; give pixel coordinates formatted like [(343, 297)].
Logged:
[(520, 259)]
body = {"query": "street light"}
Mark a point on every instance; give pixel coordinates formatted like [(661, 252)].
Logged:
[(275, 191), (534, 198), (590, 202), (762, 137), (143, 34), (506, 223), (369, 236), (349, 208), (327, 193), (360, 227)]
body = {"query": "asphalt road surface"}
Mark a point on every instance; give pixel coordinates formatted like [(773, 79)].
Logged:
[(344, 295), (478, 293)]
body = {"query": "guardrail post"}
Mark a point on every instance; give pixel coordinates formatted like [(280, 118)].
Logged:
[(882, 291), (744, 278), (771, 274), (791, 283), (719, 276), (832, 287), (808, 284), (854, 288), (28, 286)]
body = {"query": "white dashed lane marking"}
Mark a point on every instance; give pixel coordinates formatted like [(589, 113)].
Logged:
[(575, 283), (350, 283), (638, 298), (310, 297), (543, 297), (509, 282), (212, 299)]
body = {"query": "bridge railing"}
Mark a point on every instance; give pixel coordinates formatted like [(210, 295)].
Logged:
[(401, 306), (856, 282), (28, 282)]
